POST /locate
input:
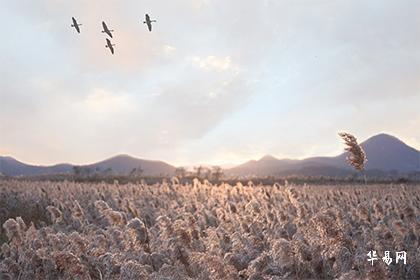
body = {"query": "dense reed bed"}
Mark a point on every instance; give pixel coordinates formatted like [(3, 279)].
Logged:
[(66, 230)]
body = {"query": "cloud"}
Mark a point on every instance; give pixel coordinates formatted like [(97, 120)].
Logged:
[(214, 63), (287, 74), (169, 50), (101, 101)]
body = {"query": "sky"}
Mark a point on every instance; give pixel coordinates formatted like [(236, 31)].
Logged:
[(216, 82)]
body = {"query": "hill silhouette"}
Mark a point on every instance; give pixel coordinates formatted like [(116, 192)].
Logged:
[(124, 164), (12, 167), (121, 165), (385, 153)]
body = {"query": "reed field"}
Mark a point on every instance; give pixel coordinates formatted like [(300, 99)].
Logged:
[(67, 230)]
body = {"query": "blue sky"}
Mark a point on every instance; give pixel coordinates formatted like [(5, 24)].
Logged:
[(215, 82)]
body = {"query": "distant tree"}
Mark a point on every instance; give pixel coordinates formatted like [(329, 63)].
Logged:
[(77, 170), (82, 171), (108, 171), (206, 173), (136, 172), (198, 171), (217, 172), (356, 155), (87, 171), (180, 172)]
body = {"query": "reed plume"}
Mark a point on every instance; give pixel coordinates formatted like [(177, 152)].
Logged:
[(356, 155)]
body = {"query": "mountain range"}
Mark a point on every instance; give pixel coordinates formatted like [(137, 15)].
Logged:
[(121, 164), (386, 155)]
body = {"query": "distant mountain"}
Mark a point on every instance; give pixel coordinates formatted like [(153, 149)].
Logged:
[(385, 154), (122, 164), (267, 165), (11, 167)]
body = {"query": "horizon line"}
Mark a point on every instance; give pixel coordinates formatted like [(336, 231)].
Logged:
[(193, 164)]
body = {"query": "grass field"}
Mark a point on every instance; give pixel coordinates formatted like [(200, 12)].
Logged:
[(70, 230)]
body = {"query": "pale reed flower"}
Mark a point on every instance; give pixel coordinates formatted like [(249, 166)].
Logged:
[(356, 157)]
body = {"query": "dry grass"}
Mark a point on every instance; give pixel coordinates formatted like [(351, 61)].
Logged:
[(356, 155), (203, 231)]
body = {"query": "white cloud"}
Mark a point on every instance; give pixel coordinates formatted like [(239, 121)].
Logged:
[(101, 101), (169, 50), (212, 62)]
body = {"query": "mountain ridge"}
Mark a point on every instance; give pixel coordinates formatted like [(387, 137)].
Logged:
[(120, 164), (385, 153)]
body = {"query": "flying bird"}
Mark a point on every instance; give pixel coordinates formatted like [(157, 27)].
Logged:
[(75, 25), (110, 45), (106, 29), (148, 21)]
